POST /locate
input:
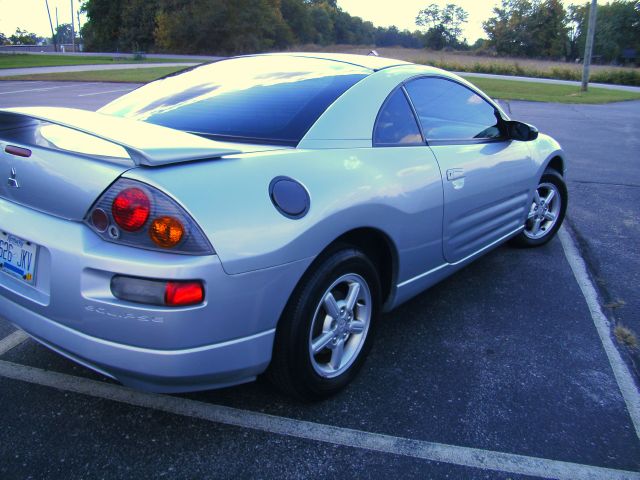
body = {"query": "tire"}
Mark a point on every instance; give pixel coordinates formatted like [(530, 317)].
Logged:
[(545, 215), (306, 325)]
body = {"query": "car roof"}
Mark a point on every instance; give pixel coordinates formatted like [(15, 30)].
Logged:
[(371, 62)]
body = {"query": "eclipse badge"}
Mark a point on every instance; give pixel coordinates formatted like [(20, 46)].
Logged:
[(12, 181)]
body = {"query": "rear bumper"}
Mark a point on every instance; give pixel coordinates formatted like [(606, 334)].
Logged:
[(201, 368), (226, 340)]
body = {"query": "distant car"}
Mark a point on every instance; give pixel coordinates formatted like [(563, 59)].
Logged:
[(257, 215)]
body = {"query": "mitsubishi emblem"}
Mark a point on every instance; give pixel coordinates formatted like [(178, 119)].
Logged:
[(12, 181)]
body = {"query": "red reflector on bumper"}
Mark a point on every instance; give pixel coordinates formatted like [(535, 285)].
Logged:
[(18, 151), (183, 293), (157, 292)]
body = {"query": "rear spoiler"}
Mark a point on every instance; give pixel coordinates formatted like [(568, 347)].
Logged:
[(147, 144)]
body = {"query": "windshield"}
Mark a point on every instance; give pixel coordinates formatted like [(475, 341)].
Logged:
[(262, 99)]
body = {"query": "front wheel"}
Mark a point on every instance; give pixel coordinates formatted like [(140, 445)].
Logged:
[(546, 213), (327, 328)]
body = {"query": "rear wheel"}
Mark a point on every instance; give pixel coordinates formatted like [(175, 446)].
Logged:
[(327, 328), (546, 213)]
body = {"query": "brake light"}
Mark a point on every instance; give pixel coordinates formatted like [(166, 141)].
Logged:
[(183, 293), (130, 209)]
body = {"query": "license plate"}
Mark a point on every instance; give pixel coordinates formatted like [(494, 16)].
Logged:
[(18, 257)]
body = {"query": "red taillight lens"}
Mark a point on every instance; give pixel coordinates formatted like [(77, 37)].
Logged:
[(131, 209), (183, 293)]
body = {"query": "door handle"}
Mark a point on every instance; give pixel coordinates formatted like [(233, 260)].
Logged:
[(455, 173)]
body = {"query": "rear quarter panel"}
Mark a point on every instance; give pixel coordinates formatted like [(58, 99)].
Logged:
[(395, 190)]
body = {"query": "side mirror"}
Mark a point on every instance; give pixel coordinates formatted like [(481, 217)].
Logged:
[(521, 131)]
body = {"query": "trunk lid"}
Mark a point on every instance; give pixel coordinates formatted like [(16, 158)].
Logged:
[(59, 160)]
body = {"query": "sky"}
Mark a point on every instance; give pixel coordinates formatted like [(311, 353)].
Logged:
[(32, 14)]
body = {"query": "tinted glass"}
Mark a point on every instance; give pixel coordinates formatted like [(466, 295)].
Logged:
[(253, 99), (450, 111), (396, 124)]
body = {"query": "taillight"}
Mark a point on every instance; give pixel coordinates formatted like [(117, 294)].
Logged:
[(136, 214), (169, 293), (131, 209), (166, 232)]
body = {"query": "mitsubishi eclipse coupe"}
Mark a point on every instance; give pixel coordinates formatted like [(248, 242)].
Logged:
[(257, 215)]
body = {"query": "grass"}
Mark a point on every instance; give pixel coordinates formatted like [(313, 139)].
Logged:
[(495, 88), (545, 92), (625, 336), (9, 60), (467, 62), (133, 75)]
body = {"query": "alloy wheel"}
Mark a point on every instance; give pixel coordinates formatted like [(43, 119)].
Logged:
[(544, 211), (340, 325)]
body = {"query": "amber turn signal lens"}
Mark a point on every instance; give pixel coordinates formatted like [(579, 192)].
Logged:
[(166, 232)]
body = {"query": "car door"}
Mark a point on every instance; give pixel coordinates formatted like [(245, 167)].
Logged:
[(397, 135), (486, 176)]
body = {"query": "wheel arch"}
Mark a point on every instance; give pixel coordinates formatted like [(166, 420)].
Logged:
[(380, 249), (377, 246), (556, 162)]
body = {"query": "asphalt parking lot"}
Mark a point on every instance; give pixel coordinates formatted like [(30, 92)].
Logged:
[(505, 370)]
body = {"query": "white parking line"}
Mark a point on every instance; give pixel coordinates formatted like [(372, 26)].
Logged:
[(108, 91), (16, 83), (12, 341), (620, 371), (29, 90), (456, 455), (436, 452), (37, 89)]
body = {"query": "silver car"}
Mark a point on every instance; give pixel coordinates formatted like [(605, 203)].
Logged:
[(256, 215)]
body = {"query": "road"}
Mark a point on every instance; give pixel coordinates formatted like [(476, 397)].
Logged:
[(498, 372), (603, 146)]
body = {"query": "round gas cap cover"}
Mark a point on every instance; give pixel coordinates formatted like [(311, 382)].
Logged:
[(289, 197)]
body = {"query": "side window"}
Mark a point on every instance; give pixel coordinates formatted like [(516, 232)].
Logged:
[(396, 124), (450, 111)]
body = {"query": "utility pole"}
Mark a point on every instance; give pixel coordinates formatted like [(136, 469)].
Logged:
[(53, 35), (79, 31), (588, 49), (73, 32)]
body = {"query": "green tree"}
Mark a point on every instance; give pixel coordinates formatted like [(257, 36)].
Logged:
[(532, 28), (63, 33), (3, 39), (22, 37), (322, 23), (297, 15), (443, 25), (617, 30), (101, 31), (221, 26), (231, 26), (549, 32), (138, 23)]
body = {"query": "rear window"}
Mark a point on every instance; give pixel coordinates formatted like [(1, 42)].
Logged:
[(269, 99)]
